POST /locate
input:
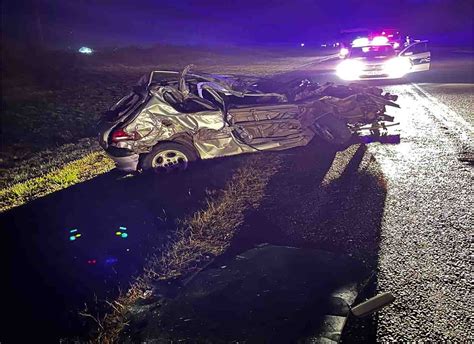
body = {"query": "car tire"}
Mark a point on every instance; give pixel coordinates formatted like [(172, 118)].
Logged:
[(168, 157), (333, 130)]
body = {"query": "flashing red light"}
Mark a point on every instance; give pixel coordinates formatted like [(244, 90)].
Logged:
[(92, 261), (121, 135)]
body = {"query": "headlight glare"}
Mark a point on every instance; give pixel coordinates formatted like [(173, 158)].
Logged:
[(349, 69), (397, 67)]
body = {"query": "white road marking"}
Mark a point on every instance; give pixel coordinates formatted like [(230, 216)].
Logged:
[(446, 115)]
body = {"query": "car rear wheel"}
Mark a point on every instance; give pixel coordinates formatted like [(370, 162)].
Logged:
[(333, 131), (168, 157)]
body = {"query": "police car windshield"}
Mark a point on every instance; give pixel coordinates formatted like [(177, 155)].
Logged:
[(373, 52)]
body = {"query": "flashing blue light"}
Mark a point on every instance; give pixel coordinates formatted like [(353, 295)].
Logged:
[(111, 260), (85, 50), (72, 238), (124, 235)]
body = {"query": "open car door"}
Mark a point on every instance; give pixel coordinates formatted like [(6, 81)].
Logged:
[(419, 56)]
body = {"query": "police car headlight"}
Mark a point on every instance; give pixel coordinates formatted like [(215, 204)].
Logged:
[(349, 69), (397, 67), (343, 52)]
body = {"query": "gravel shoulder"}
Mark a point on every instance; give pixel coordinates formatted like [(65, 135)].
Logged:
[(458, 96), (426, 230)]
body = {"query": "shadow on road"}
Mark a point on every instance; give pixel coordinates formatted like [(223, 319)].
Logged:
[(322, 202)]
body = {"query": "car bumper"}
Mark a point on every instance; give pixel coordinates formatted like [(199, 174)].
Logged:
[(124, 160), (377, 77), (374, 77)]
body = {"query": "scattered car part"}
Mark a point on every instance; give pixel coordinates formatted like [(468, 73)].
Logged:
[(332, 130), (372, 305)]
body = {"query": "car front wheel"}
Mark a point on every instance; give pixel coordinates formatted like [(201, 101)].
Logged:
[(168, 157), (333, 131)]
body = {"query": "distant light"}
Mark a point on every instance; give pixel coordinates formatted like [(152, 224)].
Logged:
[(379, 40), (302, 44), (123, 228), (344, 52), (360, 42), (324, 45), (383, 32), (124, 235), (118, 233), (85, 50), (74, 234), (396, 45), (111, 260)]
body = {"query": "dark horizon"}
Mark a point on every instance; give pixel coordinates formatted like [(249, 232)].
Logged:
[(122, 23)]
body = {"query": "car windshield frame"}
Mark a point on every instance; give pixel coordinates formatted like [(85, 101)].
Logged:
[(373, 52)]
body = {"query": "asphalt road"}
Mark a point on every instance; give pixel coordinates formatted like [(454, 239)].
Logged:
[(424, 232), (425, 250)]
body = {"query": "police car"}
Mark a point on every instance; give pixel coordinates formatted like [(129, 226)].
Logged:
[(377, 59)]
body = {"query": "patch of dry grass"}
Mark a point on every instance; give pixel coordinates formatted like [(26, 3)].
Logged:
[(207, 233), (72, 173), (19, 168)]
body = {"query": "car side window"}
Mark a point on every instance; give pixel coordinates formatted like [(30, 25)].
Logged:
[(188, 104), (417, 49)]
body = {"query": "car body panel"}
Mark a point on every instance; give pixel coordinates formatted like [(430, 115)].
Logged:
[(126, 163), (228, 115), (419, 56)]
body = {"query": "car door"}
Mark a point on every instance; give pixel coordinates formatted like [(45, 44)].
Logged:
[(261, 124), (419, 56)]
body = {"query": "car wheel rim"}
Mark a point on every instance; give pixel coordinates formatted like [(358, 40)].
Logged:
[(170, 160)]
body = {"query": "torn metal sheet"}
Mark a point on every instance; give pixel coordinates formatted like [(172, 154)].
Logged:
[(222, 115)]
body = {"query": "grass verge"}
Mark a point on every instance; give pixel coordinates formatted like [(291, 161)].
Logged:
[(72, 173), (207, 233)]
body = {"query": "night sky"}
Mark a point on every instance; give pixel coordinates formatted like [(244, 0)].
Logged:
[(73, 23)]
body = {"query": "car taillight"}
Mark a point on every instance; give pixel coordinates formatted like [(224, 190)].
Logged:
[(121, 135)]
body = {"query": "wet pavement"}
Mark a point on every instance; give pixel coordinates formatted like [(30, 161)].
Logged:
[(87, 241), (426, 229), (427, 225)]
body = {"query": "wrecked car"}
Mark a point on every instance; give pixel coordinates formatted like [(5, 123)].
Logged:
[(173, 118)]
